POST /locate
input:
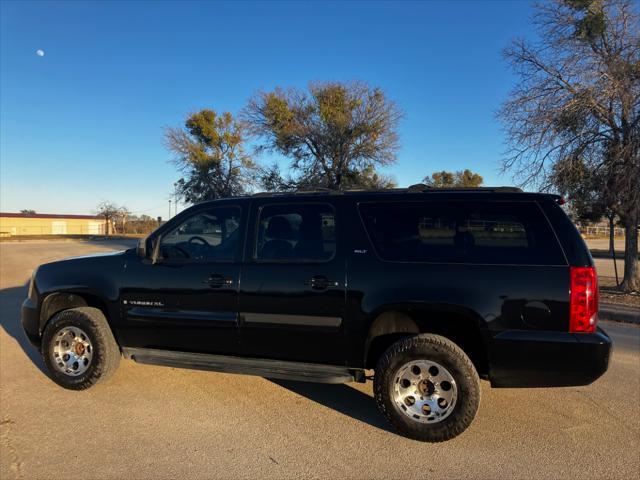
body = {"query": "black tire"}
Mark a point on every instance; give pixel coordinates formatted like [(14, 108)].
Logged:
[(105, 351), (446, 353)]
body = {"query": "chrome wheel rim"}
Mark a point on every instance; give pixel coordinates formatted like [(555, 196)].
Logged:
[(424, 391), (72, 351)]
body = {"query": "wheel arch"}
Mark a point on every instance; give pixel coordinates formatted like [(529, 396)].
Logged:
[(56, 302), (459, 324)]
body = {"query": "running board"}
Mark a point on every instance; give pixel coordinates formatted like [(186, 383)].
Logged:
[(306, 372)]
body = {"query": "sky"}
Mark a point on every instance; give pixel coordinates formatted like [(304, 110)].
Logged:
[(84, 122)]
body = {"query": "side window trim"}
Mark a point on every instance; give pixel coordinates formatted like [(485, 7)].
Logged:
[(555, 234), (255, 234)]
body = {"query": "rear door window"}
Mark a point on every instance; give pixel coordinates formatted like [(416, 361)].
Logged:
[(461, 232), (296, 233)]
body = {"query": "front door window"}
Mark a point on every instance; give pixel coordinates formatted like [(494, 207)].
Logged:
[(209, 236)]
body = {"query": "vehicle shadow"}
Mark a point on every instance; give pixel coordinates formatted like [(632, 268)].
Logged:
[(341, 398), (10, 303)]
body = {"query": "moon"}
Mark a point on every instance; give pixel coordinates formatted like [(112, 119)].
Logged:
[(40, 52)]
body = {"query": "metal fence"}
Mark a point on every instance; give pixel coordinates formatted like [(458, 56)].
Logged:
[(599, 230)]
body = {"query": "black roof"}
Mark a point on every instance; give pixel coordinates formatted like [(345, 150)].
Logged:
[(413, 193)]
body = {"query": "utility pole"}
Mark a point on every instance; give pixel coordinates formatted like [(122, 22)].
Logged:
[(169, 210), (175, 196)]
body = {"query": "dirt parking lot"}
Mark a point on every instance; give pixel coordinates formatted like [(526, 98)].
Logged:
[(154, 422)]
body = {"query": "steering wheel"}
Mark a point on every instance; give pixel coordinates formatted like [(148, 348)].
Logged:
[(200, 239)]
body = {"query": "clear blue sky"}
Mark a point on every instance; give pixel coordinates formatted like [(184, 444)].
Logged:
[(83, 123)]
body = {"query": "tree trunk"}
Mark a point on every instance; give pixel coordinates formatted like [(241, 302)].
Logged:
[(338, 182), (612, 247), (631, 281)]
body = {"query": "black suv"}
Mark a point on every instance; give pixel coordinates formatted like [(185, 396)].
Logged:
[(433, 289)]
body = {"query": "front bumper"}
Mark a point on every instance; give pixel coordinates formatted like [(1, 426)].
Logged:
[(523, 358), (31, 322)]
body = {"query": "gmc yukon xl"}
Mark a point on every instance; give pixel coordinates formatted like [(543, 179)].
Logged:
[(431, 289)]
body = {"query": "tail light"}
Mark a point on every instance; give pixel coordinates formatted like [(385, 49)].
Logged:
[(583, 306)]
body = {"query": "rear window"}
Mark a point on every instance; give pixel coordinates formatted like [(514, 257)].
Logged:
[(460, 232)]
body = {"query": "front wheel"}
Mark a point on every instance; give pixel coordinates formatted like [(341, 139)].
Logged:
[(427, 388), (79, 348)]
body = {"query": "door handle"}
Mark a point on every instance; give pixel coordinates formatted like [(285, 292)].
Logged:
[(320, 282), (217, 281)]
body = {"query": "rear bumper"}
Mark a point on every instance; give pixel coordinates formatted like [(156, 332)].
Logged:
[(30, 322), (521, 358)]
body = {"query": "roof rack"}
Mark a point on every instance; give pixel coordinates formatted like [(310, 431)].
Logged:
[(417, 188), (421, 188), (310, 191)]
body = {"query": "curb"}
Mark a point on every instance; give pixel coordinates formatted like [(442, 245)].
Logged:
[(619, 313)]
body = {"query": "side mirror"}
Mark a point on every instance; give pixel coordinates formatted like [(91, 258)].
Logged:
[(155, 255), (141, 248)]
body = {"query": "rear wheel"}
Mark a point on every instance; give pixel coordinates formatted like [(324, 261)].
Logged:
[(427, 388), (79, 348)]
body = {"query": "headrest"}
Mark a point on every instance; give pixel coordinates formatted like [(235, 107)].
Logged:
[(280, 228), (310, 228)]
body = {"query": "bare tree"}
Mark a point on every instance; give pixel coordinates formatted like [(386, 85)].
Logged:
[(578, 97), (109, 211), (121, 217), (333, 132)]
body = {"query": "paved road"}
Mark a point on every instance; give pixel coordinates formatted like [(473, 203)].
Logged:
[(154, 422), (603, 244), (605, 266)]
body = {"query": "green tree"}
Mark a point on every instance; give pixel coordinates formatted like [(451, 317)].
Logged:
[(209, 152), (334, 133), (368, 179), (578, 97), (272, 180), (587, 191), (591, 195), (460, 179)]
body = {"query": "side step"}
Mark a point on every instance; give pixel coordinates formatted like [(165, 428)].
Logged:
[(306, 372)]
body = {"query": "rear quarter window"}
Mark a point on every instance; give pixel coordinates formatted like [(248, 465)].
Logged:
[(460, 232)]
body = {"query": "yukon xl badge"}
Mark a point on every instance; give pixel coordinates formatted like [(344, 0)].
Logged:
[(143, 303), (359, 251)]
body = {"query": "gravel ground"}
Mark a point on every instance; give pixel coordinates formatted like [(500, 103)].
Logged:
[(611, 295), (154, 422)]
